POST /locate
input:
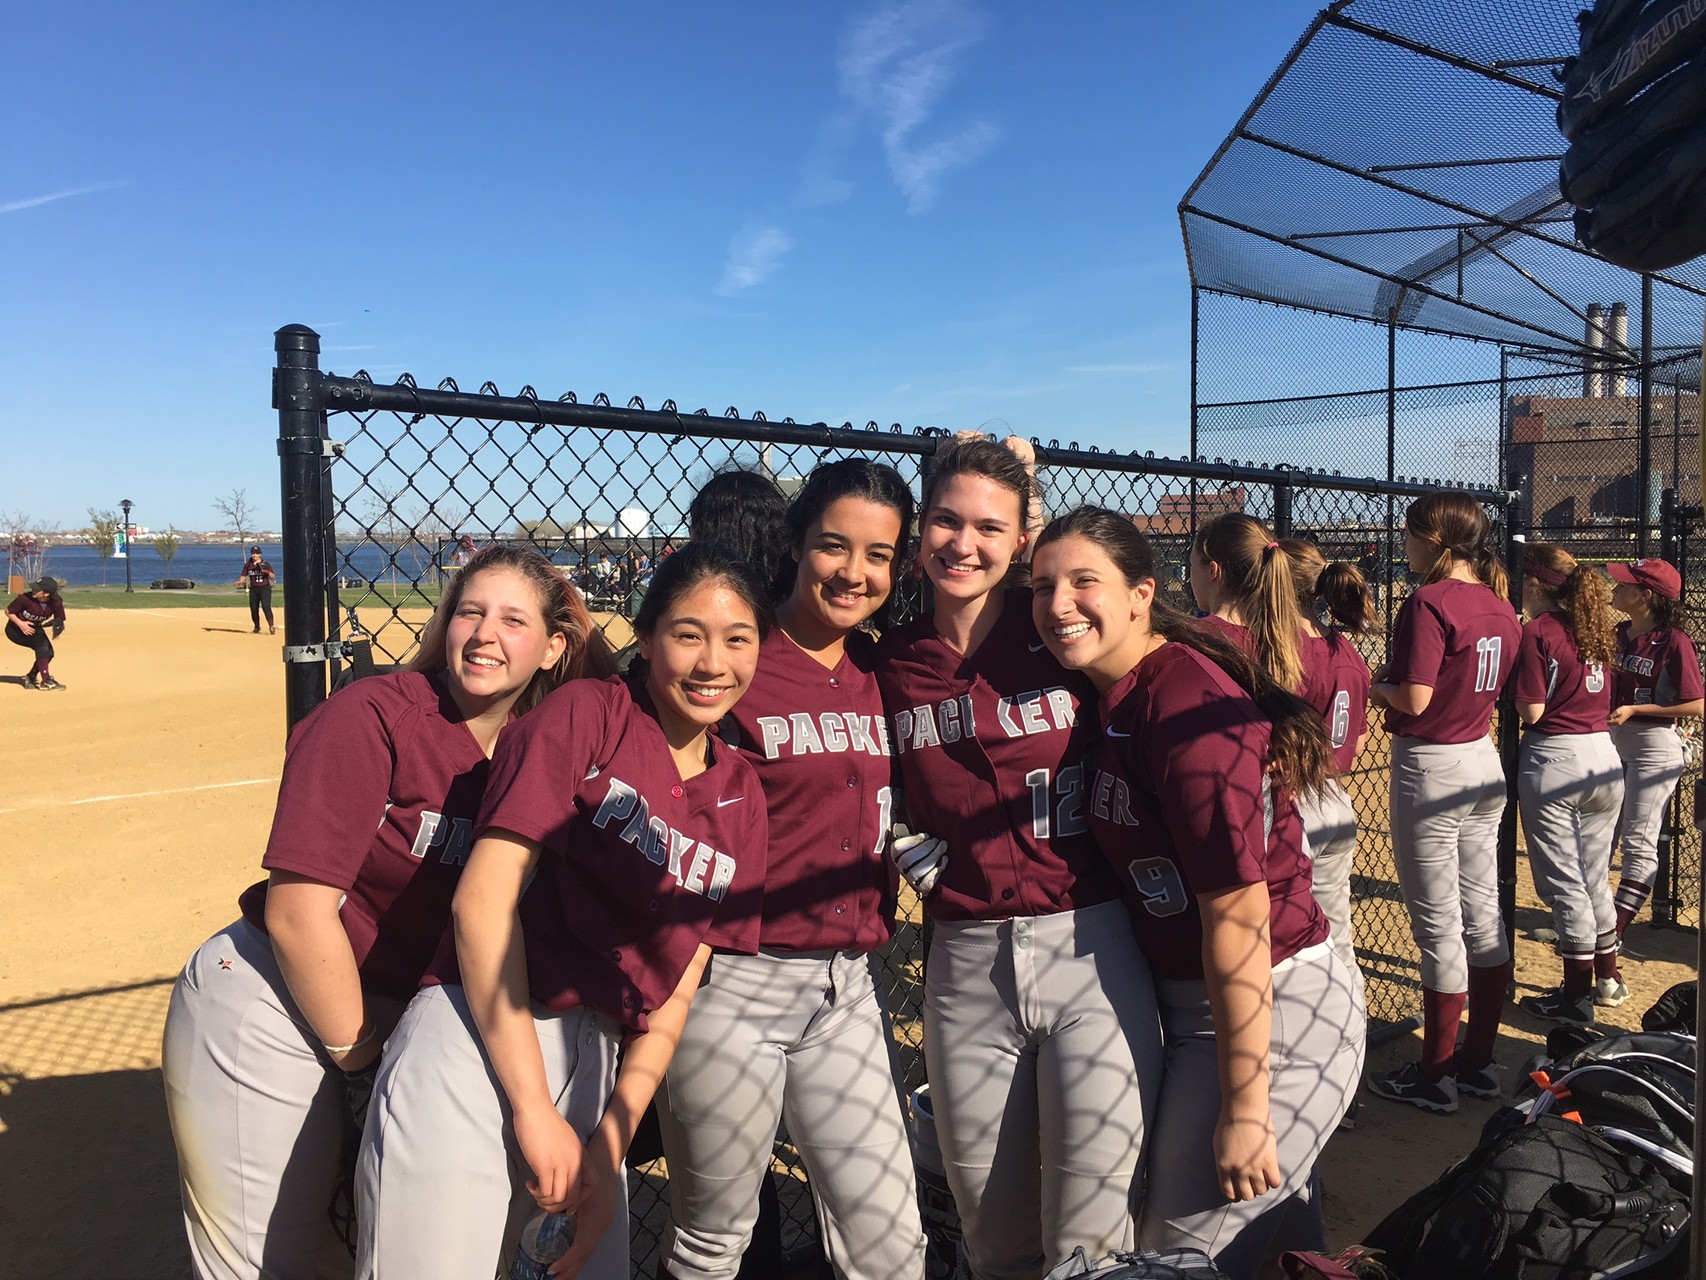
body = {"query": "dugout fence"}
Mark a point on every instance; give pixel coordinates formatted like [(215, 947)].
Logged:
[(406, 470)]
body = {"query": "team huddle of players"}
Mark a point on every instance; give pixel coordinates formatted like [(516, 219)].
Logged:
[(513, 896)]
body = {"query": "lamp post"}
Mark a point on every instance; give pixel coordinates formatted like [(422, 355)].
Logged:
[(125, 505)]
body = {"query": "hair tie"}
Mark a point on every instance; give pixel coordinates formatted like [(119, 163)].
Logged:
[(1273, 546)]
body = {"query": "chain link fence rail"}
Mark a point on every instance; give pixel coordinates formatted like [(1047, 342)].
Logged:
[(408, 471)]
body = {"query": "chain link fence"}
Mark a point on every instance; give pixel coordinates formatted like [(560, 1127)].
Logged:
[(399, 473)]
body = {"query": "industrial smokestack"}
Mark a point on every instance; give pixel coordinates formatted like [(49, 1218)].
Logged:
[(1618, 348), (1593, 382)]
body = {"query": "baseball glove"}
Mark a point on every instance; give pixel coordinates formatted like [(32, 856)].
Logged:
[(57, 629)]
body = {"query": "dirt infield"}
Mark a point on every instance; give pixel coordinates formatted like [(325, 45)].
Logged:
[(135, 809)]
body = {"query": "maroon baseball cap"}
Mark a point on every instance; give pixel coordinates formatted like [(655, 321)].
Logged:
[(1657, 576)]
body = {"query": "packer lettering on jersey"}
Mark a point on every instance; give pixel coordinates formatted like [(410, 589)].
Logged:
[(1657, 667), (829, 731), (451, 839), (1037, 711), (663, 845)]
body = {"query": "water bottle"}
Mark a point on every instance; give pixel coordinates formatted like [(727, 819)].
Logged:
[(545, 1238), (943, 1259)]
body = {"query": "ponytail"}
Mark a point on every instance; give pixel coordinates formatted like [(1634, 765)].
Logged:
[(1258, 575), (1338, 588), (1458, 529), (1583, 595)]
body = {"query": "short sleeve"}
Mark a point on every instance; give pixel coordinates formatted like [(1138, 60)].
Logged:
[(541, 760), (1418, 645), (336, 786), (1685, 668), (1530, 682)]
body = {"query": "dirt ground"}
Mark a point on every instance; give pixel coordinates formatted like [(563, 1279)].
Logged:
[(135, 809)]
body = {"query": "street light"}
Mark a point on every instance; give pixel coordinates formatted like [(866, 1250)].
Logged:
[(125, 504)]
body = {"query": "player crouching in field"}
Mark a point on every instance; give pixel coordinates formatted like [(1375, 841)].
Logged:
[(30, 619), (618, 842), (1191, 801), (381, 785)]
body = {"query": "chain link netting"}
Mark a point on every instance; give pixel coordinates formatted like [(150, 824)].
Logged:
[(403, 487)]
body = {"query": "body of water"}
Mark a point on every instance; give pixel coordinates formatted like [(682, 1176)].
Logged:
[(81, 566)]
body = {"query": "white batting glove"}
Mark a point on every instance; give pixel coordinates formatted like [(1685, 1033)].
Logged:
[(919, 856)]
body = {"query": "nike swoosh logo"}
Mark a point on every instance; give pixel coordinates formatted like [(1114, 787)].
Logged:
[(730, 800), (1038, 648), (1114, 733)]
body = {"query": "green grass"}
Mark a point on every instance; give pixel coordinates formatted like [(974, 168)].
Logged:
[(381, 598)]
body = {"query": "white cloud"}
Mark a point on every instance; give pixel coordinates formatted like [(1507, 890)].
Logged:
[(896, 66), (35, 202), (754, 255)]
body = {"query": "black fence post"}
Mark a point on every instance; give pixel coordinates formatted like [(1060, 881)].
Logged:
[(1516, 539), (1667, 525), (1283, 495), (302, 468)]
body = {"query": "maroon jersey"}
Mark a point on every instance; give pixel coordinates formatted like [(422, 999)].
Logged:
[(821, 747), (256, 573), (993, 754), (1577, 694), (1182, 806), (1460, 639), (28, 609), (1335, 683), (381, 785), (1656, 669), (637, 867)]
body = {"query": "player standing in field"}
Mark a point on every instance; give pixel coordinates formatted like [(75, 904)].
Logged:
[(618, 842), (31, 619), (258, 576), (1453, 647), (381, 785), (1657, 683), (1040, 1031), (1569, 781), (1249, 587), (798, 1031), (1263, 1022)]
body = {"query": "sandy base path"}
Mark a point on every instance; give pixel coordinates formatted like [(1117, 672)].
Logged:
[(134, 809)]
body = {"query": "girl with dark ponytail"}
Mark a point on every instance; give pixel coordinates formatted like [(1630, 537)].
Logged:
[(1452, 650), (1191, 803), (1657, 683), (1569, 780)]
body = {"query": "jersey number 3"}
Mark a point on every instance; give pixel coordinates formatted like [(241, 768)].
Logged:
[(1487, 652)]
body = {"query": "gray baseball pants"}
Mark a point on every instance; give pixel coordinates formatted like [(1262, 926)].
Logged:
[(440, 1191), (1044, 1051), (1651, 753), (1570, 790), (803, 1038), (1319, 1029), (1330, 823), (1447, 800)]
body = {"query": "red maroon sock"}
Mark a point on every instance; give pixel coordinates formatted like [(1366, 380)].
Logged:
[(1489, 985), (1578, 978), (1441, 1012), (1605, 956)]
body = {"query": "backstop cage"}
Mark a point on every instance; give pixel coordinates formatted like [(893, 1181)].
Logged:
[(397, 473)]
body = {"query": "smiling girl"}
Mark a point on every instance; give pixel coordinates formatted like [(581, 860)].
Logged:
[(799, 1030), (1263, 1023), (1040, 1032), (381, 785), (617, 843)]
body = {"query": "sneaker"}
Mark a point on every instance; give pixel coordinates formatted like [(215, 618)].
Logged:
[(1555, 1006), (1608, 993), (255, 632), (1479, 1082), (30, 683), (1408, 1084), (48, 682), (272, 630)]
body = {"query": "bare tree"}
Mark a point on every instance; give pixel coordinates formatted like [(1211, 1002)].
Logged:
[(104, 524), (384, 523), (25, 552), (238, 513), (166, 546)]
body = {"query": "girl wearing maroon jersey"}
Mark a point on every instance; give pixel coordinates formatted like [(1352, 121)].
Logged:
[(1336, 606), (1040, 1030), (799, 1030), (617, 843), (1247, 584), (1569, 781), (29, 619), (381, 784), (1263, 1024), (1657, 683), (1452, 651)]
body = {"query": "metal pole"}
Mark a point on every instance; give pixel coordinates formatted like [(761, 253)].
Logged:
[(1283, 494), (1391, 461), (301, 451), (1697, 1196), (1644, 445), (1195, 330), (1516, 538), (126, 504)]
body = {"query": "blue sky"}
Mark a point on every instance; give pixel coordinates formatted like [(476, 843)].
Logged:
[(931, 212)]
